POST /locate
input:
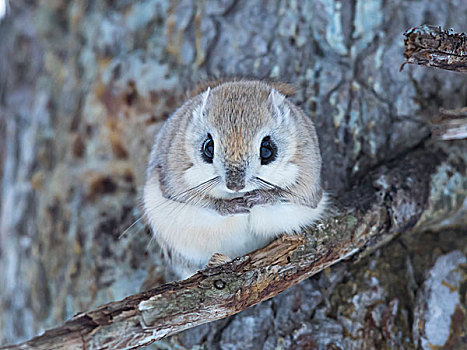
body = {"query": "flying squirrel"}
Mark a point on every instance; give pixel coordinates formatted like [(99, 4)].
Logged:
[(234, 167)]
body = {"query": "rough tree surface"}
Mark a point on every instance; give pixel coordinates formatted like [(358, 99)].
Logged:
[(84, 86), (434, 47)]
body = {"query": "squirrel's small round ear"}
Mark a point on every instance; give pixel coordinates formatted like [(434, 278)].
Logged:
[(204, 98), (278, 108), (199, 110), (276, 98)]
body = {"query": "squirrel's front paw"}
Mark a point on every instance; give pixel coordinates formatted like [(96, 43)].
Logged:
[(259, 198), (233, 206), (217, 259)]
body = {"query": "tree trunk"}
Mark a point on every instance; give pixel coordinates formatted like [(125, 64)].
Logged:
[(85, 85)]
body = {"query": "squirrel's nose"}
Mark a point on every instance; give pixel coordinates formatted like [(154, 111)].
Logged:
[(235, 179), (235, 186)]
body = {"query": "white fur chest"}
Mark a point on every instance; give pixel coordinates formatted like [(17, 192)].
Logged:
[(197, 233)]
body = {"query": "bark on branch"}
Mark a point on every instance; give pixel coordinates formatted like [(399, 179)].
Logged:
[(451, 124), (414, 193), (434, 47)]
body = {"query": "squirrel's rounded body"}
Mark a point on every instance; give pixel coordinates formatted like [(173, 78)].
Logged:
[(229, 171)]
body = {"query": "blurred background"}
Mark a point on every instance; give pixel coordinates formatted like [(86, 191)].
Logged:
[(84, 87)]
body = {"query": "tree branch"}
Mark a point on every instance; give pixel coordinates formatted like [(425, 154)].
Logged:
[(416, 193), (434, 47), (451, 124)]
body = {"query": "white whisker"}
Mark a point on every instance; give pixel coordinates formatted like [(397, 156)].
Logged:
[(129, 227), (270, 186)]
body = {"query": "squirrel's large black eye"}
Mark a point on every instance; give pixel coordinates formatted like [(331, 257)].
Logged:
[(207, 151), (268, 151)]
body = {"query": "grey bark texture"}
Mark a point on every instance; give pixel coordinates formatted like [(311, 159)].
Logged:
[(85, 85)]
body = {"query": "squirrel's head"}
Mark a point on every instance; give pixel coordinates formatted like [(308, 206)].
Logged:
[(247, 135)]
